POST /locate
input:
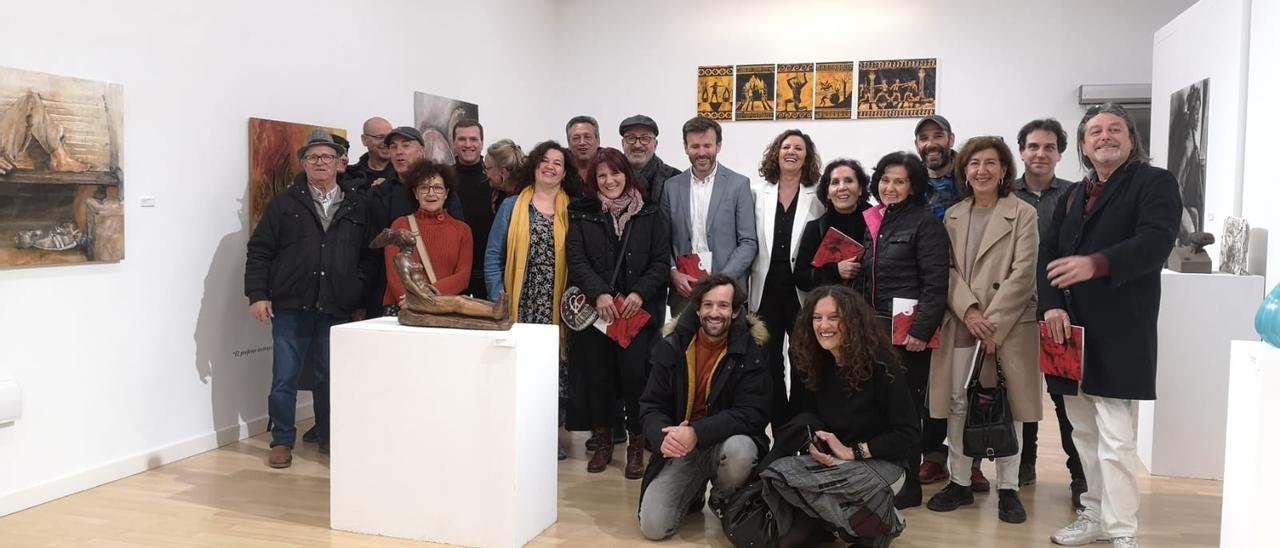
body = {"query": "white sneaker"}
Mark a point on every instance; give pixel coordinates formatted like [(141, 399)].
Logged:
[(1124, 542), (1083, 530)]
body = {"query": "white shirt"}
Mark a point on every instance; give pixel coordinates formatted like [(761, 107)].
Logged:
[(700, 209)]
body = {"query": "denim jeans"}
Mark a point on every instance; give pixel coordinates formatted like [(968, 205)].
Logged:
[(666, 500), (293, 333)]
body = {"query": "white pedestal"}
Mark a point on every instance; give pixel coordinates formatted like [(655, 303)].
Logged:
[(1250, 482), (444, 435), (1182, 433)]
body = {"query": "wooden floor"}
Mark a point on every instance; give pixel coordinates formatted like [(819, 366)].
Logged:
[(230, 498)]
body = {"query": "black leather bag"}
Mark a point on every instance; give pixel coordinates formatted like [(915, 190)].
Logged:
[(747, 519), (988, 420)]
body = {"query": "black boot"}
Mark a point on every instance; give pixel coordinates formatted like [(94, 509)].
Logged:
[(1011, 510), (951, 497)]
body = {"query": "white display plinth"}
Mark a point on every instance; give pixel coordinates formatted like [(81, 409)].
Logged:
[(444, 435), (1182, 432), (1250, 482)]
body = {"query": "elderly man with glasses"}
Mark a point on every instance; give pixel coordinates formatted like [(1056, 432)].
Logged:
[(307, 268)]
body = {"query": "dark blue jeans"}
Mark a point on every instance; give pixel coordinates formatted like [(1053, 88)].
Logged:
[(293, 333)]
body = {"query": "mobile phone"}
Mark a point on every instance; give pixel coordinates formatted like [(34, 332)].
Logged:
[(816, 441)]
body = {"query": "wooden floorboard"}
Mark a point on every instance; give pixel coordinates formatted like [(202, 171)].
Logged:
[(230, 498)]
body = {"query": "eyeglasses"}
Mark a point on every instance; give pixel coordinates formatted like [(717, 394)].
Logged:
[(320, 158), (643, 139), (431, 189), (379, 138)]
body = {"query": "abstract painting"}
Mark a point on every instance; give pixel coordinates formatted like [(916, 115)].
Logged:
[(61, 181), (435, 117), (715, 92), (1188, 142), (903, 88), (755, 87), (795, 92), (273, 160), (835, 90)]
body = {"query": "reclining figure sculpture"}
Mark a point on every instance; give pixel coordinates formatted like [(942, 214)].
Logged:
[(424, 306)]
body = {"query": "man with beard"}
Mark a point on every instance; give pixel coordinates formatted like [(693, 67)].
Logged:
[(1099, 268), (711, 211), (583, 135), (934, 140), (475, 194), (1041, 142), (374, 165), (702, 430), (639, 141)]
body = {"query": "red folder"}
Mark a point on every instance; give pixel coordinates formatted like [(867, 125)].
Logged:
[(1062, 360), (837, 246), (623, 330), (904, 314), (694, 266)]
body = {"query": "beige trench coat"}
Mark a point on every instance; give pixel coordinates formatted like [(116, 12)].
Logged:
[(1002, 283)]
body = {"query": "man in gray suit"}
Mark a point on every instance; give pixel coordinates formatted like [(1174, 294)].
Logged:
[(711, 211)]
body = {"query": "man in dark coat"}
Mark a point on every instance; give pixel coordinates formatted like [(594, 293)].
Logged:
[(1099, 268), (474, 194), (307, 265), (717, 435), (639, 142), (374, 166)]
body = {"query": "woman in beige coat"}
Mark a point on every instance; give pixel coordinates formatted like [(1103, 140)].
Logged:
[(991, 308)]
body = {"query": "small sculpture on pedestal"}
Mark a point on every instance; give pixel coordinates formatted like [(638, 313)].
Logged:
[(1190, 258), (424, 306)]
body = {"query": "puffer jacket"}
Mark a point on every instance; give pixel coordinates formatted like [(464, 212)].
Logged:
[(910, 259)]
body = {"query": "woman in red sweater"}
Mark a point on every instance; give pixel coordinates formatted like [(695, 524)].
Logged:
[(447, 240)]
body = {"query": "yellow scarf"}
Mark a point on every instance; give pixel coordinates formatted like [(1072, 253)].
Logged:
[(518, 251)]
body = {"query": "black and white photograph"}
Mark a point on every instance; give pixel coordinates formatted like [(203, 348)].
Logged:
[(1188, 143)]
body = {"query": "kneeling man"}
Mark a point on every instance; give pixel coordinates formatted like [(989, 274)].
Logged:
[(705, 407)]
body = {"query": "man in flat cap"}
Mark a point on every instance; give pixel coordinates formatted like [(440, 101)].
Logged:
[(307, 267), (639, 142)]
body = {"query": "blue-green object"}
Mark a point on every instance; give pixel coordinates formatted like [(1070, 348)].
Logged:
[(1267, 321)]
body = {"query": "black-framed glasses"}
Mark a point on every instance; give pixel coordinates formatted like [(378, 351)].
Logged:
[(320, 158), (643, 139)]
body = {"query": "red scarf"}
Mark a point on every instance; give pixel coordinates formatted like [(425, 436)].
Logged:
[(622, 208)]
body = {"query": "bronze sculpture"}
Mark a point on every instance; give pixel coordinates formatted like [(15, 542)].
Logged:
[(424, 306)]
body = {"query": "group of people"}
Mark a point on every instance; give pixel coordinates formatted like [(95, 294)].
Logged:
[(864, 417)]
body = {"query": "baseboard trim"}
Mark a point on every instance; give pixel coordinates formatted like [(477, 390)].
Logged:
[(70, 484)]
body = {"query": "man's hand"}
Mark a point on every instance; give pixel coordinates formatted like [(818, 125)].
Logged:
[(358, 315), (605, 308), (261, 311), (683, 283), (978, 325), (848, 268), (1059, 323), (680, 440), (631, 304), (914, 344), (1069, 271)]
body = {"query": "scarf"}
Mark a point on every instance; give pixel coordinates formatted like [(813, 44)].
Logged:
[(518, 251), (622, 208)]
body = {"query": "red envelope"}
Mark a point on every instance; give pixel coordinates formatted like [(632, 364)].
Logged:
[(904, 314), (623, 330), (837, 246), (692, 265)]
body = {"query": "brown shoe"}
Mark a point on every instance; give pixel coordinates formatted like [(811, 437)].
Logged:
[(635, 457), (281, 456), (604, 451)]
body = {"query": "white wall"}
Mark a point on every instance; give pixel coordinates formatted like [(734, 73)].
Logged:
[(1001, 63), (129, 365), (1183, 56), (1261, 193)]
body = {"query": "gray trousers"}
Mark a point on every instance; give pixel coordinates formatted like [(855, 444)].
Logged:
[(666, 501)]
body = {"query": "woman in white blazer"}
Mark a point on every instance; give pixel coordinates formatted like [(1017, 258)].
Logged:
[(785, 201)]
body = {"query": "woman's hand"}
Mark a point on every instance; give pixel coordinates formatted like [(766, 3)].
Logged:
[(978, 325), (849, 268), (914, 344), (605, 308), (838, 450), (631, 305), (989, 346)]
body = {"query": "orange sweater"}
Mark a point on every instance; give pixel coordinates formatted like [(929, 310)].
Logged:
[(448, 242)]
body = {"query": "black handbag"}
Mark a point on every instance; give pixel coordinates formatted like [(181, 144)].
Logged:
[(988, 421), (747, 519)]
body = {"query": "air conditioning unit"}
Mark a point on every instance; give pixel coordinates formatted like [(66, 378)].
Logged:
[(1124, 94)]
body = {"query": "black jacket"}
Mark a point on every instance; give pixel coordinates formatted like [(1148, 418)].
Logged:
[(362, 170), (809, 277), (1133, 224), (740, 389), (880, 414), (475, 197), (592, 247), (655, 174), (296, 264), (911, 260)]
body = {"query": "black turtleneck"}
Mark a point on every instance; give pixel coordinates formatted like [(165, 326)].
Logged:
[(477, 209)]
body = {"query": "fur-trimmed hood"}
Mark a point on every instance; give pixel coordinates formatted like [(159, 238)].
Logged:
[(684, 325)]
